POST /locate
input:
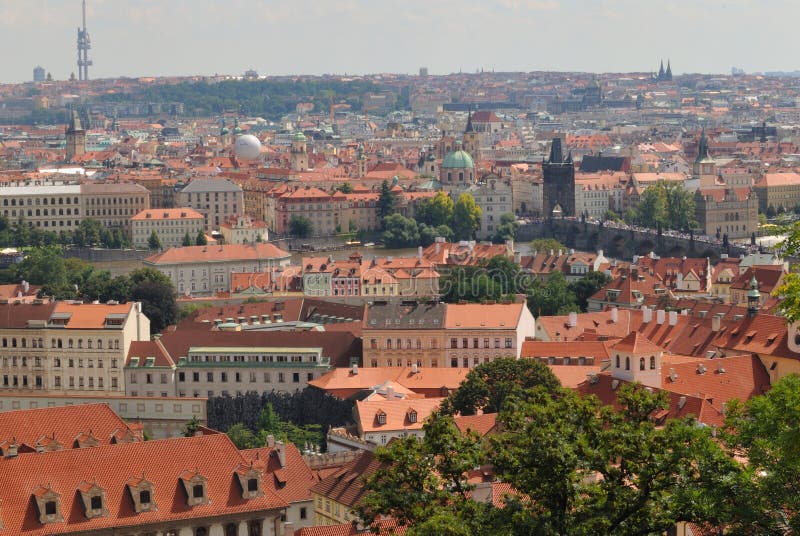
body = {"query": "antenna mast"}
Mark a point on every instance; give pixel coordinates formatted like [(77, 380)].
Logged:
[(84, 44)]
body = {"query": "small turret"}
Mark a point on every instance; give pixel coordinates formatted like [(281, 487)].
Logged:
[(753, 298)]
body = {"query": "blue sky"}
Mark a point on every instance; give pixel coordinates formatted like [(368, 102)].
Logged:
[(181, 37)]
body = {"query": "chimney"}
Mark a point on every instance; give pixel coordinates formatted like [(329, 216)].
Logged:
[(270, 441), (517, 257), (573, 320), (354, 370), (281, 450), (389, 393), (437, 246), (715, 323), (660, 316), (647, 314), (673, 318), (414, 368), (288, 528), (419, 252), (614, 315)]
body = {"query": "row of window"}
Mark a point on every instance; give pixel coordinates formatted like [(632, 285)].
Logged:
[(91, 382), (37, 201), (236, 377), (11, 342), (36, 361)]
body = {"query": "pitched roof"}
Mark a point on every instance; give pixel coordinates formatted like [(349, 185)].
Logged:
[(168, 214), (483, 316), (343, 383), (636, 343), (210, 185), (396, 412), (64, 423), (481, 424), (221, 253), (291, 482), (346, 486), (160, 462)]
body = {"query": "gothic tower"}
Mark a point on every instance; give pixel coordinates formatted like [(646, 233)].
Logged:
[(472, 141), (76, 137), (361, 162), (558, 182)]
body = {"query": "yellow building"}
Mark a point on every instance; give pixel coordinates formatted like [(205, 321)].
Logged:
[(171, 226)]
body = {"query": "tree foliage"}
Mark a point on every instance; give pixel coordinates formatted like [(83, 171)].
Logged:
[(200, 239), (154, 242), (546, 244), (666, 205), (466, 217), (400, 232), (585, 287), (506, 230), (300, 226), (552, 296), (386, 202), (436, 211)]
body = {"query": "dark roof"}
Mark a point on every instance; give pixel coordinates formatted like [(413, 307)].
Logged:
[(591, 164), (404, 315), (346, 486), (210, 185)]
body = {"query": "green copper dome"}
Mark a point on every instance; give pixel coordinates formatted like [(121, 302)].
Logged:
[(299, 136), (753, 289), (458, 159)]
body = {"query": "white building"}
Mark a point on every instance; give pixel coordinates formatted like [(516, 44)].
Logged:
[(494, 196), (171, 225), (216, 199)]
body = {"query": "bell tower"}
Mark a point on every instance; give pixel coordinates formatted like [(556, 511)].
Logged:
[(637, 359), (299, 153), (472, 140), (75, 137)]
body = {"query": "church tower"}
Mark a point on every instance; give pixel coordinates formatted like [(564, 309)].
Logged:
[(703, 164), (558, 187), (472, 140), (299, 153), (361, 162), (76, 137), (637, 359), (668, 73)]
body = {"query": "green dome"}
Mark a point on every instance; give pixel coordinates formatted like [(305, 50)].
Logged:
[(458, 159), (299, 136)]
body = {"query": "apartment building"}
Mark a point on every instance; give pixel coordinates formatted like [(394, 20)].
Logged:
[(206, 270), (433, 334), (171, 225), (495, 197), (243, 230), (777, 190), (54, 206), (216, 199), (68, 347), (113, 204)]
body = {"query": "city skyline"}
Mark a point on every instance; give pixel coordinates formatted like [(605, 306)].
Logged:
[(206, 37)]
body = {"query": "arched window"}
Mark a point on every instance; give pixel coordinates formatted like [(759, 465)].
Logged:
[(627, 363), (641, 363), (617, 360), (99, 344), (652, 362)]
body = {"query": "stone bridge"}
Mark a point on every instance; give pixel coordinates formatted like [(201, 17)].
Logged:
[(622, 244)]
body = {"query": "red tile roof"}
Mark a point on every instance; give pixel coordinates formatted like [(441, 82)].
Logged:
[(636, 343), (346, 486), (223, 253), (64, 423), (160, 462), (482, 316), (291, 483), (480, 424)]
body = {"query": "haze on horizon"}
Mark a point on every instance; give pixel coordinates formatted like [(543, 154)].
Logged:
[(204, 37)]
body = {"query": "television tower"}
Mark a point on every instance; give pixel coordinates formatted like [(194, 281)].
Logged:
[(84, 44)]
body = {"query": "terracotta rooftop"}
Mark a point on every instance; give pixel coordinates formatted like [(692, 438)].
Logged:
[(397, 414), (223, 253), (483, 316), (636, 343), (291, 482), (346, 486)]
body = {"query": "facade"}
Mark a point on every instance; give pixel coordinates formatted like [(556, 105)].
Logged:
[(457, 172), (337, 495), (383, 419), (597, 193), (205, 270), (408, 333), (216, 199), (170, 225), (53, 206), (731, 211), (558, 182), (777, 190), (244, 230), (68, 348), (114, 204), (495, 197)]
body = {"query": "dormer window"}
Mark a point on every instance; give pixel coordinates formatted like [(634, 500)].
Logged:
[(412, 416), (48, 503), (141, 491), (381, 417), (195, 486), (249, 481), (94, 499)]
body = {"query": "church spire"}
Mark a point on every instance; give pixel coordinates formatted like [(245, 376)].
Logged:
[(469, 122), (668, 74), (702, 149), (661, 71)]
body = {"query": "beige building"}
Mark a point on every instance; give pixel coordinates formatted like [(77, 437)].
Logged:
[(407, 333), (171, 225), (68, 348), (243, 230), (216, 199), (114, 204), (729, 211), (777, 190), (51, 206), (494, 196), (205, 270)]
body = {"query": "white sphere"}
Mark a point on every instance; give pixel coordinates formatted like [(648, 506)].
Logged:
[(247, 147)]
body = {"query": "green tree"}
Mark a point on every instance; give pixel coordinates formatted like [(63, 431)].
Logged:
[(399, 232), (546, 244), (765, 431), (242, 437), (552, 297), (201, 239), (187, 240), (489, 385), (506, 229), (157, 295), (428, 234), (44, 266), (345, 188), (652, 209), (300, 226), (583, 468), (585, 287), (680, 206), (191, 427), (436, 211), (154, 242), (386, 201), (466, 217)]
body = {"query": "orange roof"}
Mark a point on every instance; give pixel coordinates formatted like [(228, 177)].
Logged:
[(636, 343), (291, 482), (90, 315), (482, 316), (396, 413), (222, 253), (168, 214), (64, 423), (480, 424), (343, 383), (160, 462)]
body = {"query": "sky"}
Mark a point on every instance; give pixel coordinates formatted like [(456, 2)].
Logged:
[(205, 37)]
